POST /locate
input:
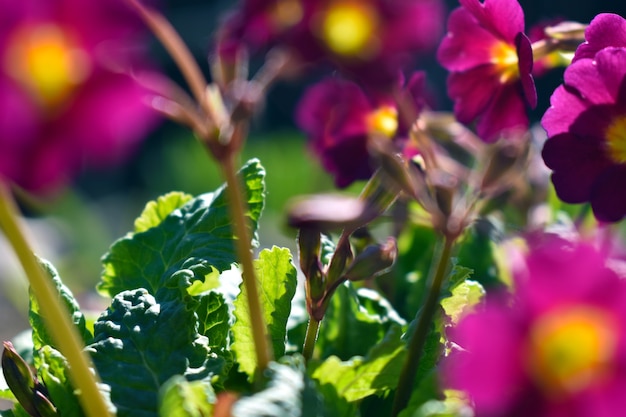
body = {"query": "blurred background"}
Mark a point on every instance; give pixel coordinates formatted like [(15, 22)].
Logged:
[(75, 229)]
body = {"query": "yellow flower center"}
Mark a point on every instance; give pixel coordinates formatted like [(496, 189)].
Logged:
[(504, 56), (572, 349), (349, 28), (616, 140), (384, 121), (286, 13), (47, 62)]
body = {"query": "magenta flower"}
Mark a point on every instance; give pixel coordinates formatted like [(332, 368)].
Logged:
[(586, 126), (556, 348), (490, 60), (372, 40), (338, 117), (64, 100)]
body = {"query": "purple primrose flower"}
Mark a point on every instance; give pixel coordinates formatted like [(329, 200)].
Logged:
[(371, 40), (338, 117), (490, 60), (555, 348), (586, 125), (65, 100)]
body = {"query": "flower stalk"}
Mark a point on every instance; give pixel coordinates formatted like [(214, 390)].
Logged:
[(81, 369), (262, 346), (312, 331), (420, 332)]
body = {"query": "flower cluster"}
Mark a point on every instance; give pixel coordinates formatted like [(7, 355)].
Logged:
[(586, 123), (65, 98), (557, 347)]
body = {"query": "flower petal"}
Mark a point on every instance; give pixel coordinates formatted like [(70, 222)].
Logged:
[(606, 29), (503, 18), (608, 199), (467, 44)]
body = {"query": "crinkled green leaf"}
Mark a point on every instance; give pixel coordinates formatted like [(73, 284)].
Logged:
[(182, 398), (193, 238), (156, 211), (277, 280), (375, 374), (289, 393), (214, 321), (53, 372), (353, 323), (41, 336), (464, 296), (139, 344)]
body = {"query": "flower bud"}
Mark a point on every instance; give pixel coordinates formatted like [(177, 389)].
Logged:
[(373, 261), (342, 257), (19, 378), (505, 160)]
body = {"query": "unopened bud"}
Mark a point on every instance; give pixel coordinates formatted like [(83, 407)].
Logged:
[(19, 378), (309, 243), (373, 261), (342, 257), (504, 160), (326, 212)]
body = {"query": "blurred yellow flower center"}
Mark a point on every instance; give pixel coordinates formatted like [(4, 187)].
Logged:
[(504, 56), (46, 61), (616, 140), (572, 349), (383, 120), (286, 13), (349, 28)]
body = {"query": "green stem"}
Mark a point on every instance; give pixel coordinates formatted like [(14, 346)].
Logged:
[(311, 336), (237, 209), (420, 333), (55, 313)]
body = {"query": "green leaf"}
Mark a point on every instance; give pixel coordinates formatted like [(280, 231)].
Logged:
[(289, 393), (464, 296), (277, 278), (6, 394), (53, 372), (41, 336), (375, 374), (355, 321), (214, 320), (476, 251), (193, 238), (156, 211), (18, 411), (182, 398), (139, 344), (416, 245)]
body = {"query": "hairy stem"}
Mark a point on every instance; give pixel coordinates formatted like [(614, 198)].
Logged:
[(236, 205), (420, 333), (55, 313), (312, 330)]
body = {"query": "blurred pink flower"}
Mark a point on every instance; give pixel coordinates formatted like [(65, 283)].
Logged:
[(556, 347), (65, 99), (370, 40), (338, 117), (490, 60)]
